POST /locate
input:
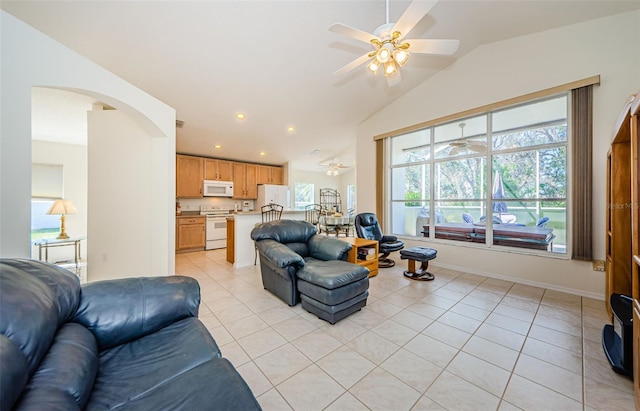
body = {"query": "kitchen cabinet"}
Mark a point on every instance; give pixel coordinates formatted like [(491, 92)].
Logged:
[(190, 233), (189, 171), (215, 169), (245, 185), (270, 175)]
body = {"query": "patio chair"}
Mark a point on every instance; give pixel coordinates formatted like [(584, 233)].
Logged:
[(466, 217)]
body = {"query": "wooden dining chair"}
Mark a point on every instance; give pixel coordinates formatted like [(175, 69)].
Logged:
[(312, 215), (270, 212)]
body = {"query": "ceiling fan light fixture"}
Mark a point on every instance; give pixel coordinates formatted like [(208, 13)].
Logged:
[(401, 57), (390, 68), (374, 66), (383, 55)]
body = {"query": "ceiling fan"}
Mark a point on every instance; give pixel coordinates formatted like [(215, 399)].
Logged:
[(391, 49), (462, 145), (333, 168)]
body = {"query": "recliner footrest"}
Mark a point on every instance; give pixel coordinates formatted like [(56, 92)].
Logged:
[(331, 274), (334, 313)]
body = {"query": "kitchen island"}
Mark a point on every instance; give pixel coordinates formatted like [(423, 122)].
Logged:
[(243, 246)]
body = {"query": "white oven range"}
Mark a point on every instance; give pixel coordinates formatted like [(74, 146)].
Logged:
[(216, 227)]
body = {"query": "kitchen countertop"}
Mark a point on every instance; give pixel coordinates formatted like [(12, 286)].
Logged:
[(258, 212), (189, 214)]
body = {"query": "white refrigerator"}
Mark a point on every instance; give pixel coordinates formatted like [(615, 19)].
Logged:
[(271, 193)]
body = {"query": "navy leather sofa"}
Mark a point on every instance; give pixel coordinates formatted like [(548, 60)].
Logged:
[(130, 344)]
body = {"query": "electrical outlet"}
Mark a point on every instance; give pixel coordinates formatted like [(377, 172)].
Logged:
[(598, 265)]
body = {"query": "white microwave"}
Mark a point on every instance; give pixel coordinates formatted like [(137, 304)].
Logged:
[(213, 188)]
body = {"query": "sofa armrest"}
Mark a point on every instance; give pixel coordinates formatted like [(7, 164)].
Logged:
[(281, 255), (328, 248), (119, 311)]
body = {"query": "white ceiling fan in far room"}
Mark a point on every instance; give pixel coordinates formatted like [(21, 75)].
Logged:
[(391, 49), (333, 168)]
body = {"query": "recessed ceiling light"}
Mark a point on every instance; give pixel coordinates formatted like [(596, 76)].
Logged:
[(291, 129), (217, 146), (241, 116), (262, 153)]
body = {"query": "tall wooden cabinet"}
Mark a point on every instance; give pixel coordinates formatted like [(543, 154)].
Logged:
[(245, 184), (189, 176), (623, 242)]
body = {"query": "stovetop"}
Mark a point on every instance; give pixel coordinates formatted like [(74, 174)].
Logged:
[(214, 211)]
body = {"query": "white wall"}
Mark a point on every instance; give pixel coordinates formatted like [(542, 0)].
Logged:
[(507, 69), (126, 250), (29, 58), (73, 159)]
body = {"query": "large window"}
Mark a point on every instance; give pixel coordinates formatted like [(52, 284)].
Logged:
[(304, 195), (497, 178)]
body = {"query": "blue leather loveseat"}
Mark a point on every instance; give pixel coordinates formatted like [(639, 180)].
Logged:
[(130, 344)]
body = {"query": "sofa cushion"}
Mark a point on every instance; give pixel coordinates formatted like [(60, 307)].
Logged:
[(328, 248), (331, 274), (118, 311), (130, 370), (212, 385), (64, 379), (35, 299)]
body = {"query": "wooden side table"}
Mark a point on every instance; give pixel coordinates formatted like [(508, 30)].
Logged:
[(357, 243)]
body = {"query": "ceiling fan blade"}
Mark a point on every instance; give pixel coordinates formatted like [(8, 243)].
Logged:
[(431, 46), (355, 63), (478, 148), (347, 31), (412, 15)]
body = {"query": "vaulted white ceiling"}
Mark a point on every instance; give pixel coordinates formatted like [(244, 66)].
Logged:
[(272, 60)]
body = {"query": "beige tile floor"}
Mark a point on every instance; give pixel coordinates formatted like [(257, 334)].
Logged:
[(460, 342)]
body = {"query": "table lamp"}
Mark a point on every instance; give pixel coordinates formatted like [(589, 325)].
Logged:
[(62, 207)]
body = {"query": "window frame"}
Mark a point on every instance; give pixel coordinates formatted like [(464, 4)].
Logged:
[(488, 157)]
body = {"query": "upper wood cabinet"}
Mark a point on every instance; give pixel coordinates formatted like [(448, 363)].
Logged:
[(189, 171), (270, 175), (245, 184), (215, 169)]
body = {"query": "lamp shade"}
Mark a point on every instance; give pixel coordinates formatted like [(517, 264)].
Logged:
[(62, 207)]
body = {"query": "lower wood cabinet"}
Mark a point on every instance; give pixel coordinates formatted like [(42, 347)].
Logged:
[(190, 233)]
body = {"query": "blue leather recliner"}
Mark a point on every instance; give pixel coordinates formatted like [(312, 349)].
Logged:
[(367, 226), (130, 344), (299, 265)]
